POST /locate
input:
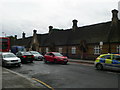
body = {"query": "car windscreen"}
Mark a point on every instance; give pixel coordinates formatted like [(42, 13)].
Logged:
[(26, 53), (8, 55), (57, 54), (34, 52), (116, 57)]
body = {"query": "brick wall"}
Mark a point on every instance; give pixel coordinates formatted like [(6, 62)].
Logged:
[(66, 50)]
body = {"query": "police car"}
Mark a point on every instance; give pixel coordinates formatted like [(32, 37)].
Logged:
[(107, 60)]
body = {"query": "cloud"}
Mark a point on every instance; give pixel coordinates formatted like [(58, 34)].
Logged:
[(26, 15)]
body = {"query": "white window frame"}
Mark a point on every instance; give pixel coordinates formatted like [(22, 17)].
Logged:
[(97, 49), (73, 50), (60, 49), (118, 48), (47, 50)]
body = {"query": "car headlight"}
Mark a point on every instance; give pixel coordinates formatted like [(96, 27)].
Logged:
[(19, 60), (7, 61)]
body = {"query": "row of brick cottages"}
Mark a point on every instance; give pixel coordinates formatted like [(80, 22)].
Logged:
[(85, 42)]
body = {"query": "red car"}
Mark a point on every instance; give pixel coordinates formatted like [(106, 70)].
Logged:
[(55, 57)]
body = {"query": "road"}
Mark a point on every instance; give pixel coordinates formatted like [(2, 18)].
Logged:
[(73, 75)]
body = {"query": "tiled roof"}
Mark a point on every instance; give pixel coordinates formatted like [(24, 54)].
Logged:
[(91, 34), (24, 42), (58, 37)]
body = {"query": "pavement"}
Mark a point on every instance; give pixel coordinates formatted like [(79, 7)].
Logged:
[(11, 79), (82, 61)]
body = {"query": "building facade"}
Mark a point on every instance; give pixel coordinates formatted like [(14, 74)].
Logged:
[(85, 42)]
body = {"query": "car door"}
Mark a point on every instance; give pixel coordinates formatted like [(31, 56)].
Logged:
[(51, 57), (108, 60), (116, 61), (48, 57)]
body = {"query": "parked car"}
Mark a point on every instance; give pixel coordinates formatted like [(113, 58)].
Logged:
[(25, 57), (37, 55), (10, 59), (107, 61), (55, 57)]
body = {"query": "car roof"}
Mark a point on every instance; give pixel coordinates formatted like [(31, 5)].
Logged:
[(108, 54), (52, 52), (33, 51), (6, 53), (117, 54), (23, 51)]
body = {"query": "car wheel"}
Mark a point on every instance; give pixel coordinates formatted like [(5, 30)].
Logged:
[(42, 59), (31, 61), (99, 66), (19, 65), (64, 63), (45, 61)]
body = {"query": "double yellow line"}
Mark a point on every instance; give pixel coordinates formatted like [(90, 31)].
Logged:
[(43, 83)]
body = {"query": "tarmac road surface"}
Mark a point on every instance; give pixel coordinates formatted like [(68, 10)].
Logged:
[(73, 75)]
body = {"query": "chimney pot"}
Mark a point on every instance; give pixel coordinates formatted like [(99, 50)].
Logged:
[(34, 31), (114, 11), (50, 28), (75, 21)]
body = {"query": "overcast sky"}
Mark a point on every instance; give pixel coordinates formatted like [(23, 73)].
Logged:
[(26, 15)]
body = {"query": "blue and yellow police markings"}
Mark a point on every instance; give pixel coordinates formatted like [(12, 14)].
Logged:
[(111, 60), (102, 60), (116, 63)]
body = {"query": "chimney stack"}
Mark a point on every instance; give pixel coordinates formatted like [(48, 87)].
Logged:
[(114, 14), (15, 36), (34, 36), (74, 24), (114, 17), (23, 35), (34, 31), (50, 28)]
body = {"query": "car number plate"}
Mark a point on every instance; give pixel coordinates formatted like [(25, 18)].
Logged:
[(29, 56)]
